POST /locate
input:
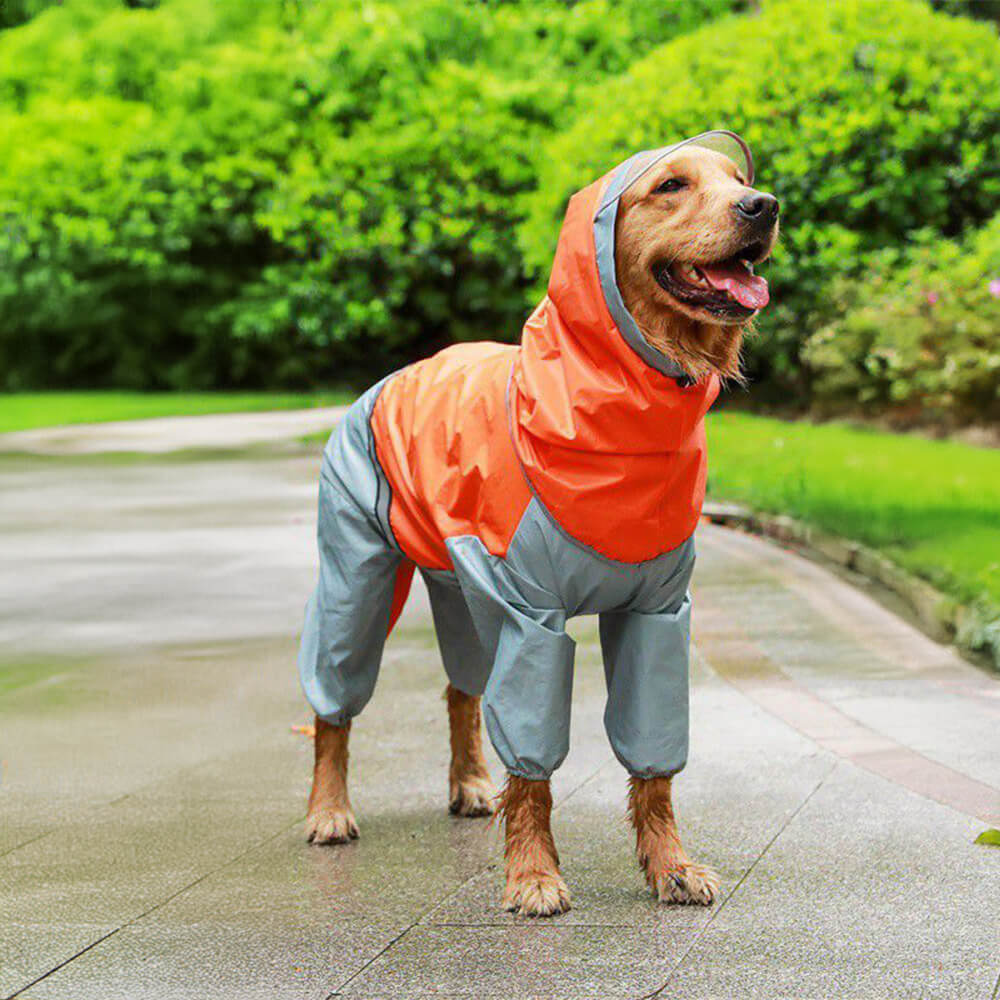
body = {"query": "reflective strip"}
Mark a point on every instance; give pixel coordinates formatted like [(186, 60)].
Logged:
[(604, 246)]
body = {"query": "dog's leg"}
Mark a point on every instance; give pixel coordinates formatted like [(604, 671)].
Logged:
[(534, 886), (330, 820), (670, 873), (470, 790)]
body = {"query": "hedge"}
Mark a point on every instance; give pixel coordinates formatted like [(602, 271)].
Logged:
[(240, 194), (871, 119), (919, 338)]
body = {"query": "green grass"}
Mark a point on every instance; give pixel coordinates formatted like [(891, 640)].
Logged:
[(22, 411), (933, 507)]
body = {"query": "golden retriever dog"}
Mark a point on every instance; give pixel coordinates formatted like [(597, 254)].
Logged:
[(687, 234), (690, 211)]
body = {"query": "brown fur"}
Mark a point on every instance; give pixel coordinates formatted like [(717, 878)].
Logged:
[(330, 819), (695, 225), (471, 792), (668, 870), (534, 886)]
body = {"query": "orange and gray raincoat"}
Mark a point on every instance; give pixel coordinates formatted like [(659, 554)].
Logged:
[(529, 484)]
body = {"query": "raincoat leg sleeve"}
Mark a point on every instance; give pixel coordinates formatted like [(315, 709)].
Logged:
[(526, 705), (646, 659), (465, 660), (347, 618)]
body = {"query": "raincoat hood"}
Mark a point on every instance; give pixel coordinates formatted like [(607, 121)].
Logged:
[(609, 431)]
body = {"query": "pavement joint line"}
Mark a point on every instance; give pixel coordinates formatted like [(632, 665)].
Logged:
[(62, 964), (25, 843), (996, 989), (156, 906), (421, 918), (736, 888)]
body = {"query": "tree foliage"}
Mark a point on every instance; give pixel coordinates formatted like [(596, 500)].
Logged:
[(242, 194)]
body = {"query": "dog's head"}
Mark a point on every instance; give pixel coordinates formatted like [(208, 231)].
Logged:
[(687, 236)]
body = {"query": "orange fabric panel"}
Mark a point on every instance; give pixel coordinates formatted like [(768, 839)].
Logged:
[(614, 448), (442, 439), (400, 591)]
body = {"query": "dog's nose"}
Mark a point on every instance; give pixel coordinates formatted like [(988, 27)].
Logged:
[(757, 207)]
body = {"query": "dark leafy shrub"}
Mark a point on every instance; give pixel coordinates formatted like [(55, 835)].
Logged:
[(871, 119), (987, 10), (15, 12), (243, 193)]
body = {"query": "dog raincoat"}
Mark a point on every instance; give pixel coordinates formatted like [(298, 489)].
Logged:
[(529, 484)]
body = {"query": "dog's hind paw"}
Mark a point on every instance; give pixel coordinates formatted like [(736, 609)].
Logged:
[(473, 797), (331, 825), (689, 884), (537, 896)]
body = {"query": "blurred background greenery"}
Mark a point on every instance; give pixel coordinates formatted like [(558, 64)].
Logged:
[(299, 194)]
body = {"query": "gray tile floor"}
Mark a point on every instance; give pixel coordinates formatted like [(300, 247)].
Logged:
[(153, 786)]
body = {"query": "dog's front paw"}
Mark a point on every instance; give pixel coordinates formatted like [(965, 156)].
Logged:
[(331, 825), (536, 895), (472, 797), (689, 884)]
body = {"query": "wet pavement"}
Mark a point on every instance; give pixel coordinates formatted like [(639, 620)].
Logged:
[(153, 787)]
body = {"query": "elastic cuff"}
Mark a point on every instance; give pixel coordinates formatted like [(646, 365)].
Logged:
[(529, 777), (647, 774), (338, 720)]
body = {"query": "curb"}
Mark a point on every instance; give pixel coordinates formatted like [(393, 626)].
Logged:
[(974, 628)]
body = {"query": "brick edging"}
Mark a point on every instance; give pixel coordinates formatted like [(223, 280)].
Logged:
[(972, 627)]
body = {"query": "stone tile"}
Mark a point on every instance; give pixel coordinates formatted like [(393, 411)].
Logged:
[(538, 960), (217, 961), (871, 892), (179, 786)]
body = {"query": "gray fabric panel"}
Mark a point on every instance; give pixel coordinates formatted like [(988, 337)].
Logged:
[(645, 622), (646, 667), (519, 605), (526, 705), (567, 575), (527, 702), (604, 240), (465, 660), (348, 615)]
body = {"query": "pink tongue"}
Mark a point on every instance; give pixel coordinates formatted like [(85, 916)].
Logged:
[(748, 289)]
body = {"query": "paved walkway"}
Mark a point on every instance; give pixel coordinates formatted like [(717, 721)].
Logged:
[(153, 788), (166, 434)]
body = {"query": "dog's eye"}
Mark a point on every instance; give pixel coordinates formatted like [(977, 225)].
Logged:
[(670, 186)]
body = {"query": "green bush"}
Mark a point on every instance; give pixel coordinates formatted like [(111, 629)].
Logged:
[(238, 194), (871, 119), (919, 340)]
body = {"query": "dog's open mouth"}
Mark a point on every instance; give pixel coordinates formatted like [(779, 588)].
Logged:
[(725, 288)]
